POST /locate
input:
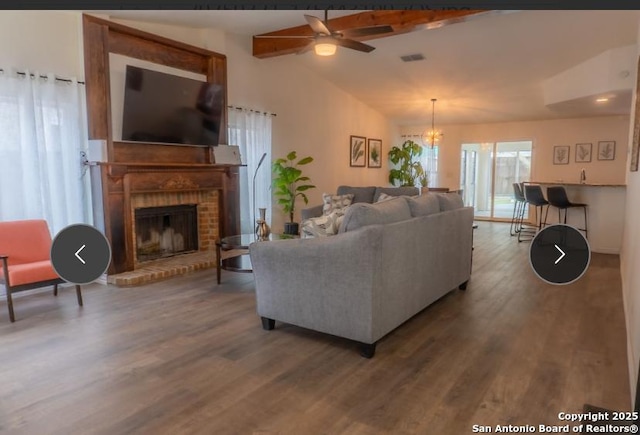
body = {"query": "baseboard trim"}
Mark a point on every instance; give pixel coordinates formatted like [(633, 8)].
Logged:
[(612, 251)]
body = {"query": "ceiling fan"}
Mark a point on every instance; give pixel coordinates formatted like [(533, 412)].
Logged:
[(325, 40)]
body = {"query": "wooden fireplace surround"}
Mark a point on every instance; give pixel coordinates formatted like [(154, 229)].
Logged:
[(133, 167)]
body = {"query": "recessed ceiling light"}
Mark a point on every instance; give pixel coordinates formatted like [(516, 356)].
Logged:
[(602, 100)]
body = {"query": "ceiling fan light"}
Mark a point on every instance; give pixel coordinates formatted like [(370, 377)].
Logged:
[(325, 48)]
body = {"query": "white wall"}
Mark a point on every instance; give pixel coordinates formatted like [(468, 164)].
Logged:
[(629, 260), (42, 41), (314, 117), (545, 135)]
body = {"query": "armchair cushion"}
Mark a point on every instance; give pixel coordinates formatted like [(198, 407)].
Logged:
[(27, 273), (25, 241)]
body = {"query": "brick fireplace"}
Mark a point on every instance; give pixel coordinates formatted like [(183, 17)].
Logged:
[(129, 188), (153, 229)]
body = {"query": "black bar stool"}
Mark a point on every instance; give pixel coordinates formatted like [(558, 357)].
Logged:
[(518, 209), (557, 196), (535, 198)]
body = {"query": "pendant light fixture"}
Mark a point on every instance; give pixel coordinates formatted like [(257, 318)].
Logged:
[(431, 137)]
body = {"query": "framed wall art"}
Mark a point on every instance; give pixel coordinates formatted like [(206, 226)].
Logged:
[(607, 150), (583, 152), (358, 151), (374, 153), (561, 155)]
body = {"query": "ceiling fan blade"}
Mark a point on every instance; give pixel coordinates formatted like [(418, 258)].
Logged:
[(306, 48), (354, 45), (284, 37), (317, 25), (366, 31)]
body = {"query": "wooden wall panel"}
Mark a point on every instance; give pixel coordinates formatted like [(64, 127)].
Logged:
[(132, 46), (96, 69), (102, 37), (132, 152)]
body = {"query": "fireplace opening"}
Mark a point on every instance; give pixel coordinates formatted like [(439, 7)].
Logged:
[(165, 231)]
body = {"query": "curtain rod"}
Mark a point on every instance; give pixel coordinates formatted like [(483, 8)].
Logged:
[(23, 73), (251, 110)]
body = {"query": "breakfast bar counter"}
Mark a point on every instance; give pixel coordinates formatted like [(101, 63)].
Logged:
[(605, 212)]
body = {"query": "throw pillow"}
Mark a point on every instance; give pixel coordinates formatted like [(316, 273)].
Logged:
[(384, 197), (333, 203), (322, 226), (396, 191)]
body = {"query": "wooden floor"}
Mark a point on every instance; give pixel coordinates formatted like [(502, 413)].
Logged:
[(187, 356)]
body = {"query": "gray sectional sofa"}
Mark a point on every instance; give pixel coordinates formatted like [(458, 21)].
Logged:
[(388, 262)]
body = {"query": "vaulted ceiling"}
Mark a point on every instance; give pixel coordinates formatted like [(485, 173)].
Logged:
[(486, 69)]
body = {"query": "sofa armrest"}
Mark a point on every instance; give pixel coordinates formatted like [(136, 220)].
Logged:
[(325, 284), (311, 212)]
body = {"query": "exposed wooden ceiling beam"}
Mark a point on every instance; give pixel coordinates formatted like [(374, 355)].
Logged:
[(402, 21)]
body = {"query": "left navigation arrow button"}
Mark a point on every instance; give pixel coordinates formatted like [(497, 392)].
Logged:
[(80, 258)]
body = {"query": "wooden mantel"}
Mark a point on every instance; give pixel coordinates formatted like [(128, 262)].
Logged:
[(147, 167)]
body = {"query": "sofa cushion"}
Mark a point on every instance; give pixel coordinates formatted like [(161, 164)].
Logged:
[(385, 212), (333, 203), (449, 201), (424, 205), (360, 194), (322, 226), (395, 191)]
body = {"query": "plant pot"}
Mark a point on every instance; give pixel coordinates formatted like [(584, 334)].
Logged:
[(291, 228)]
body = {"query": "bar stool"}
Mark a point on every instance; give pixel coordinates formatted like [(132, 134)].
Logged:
[(534, 197), (557, 196), (518, 209)]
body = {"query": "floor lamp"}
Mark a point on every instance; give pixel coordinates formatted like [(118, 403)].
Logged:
[(253, 207)]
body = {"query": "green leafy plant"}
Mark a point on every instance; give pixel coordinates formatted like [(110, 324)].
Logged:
[(287, 179), (408, 170)]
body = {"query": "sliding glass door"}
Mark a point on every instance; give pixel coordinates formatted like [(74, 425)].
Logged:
[(487, 174)]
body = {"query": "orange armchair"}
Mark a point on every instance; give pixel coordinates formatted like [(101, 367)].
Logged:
[(25, 254)]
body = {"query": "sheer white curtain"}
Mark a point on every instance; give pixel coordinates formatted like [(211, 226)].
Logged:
[(43, 125), (251, 131), (429, 160)]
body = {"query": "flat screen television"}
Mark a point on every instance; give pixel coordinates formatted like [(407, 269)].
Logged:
[(166, 108)]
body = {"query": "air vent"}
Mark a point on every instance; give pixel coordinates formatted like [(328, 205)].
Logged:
[(412, 57)]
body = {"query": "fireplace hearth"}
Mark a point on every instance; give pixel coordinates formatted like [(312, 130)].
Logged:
[(162, 232)]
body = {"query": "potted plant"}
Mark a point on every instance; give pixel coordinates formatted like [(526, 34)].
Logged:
[(287, 179), (408, 170)]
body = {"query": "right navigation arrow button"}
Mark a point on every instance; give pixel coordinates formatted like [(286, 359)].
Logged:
[(561, 256)]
